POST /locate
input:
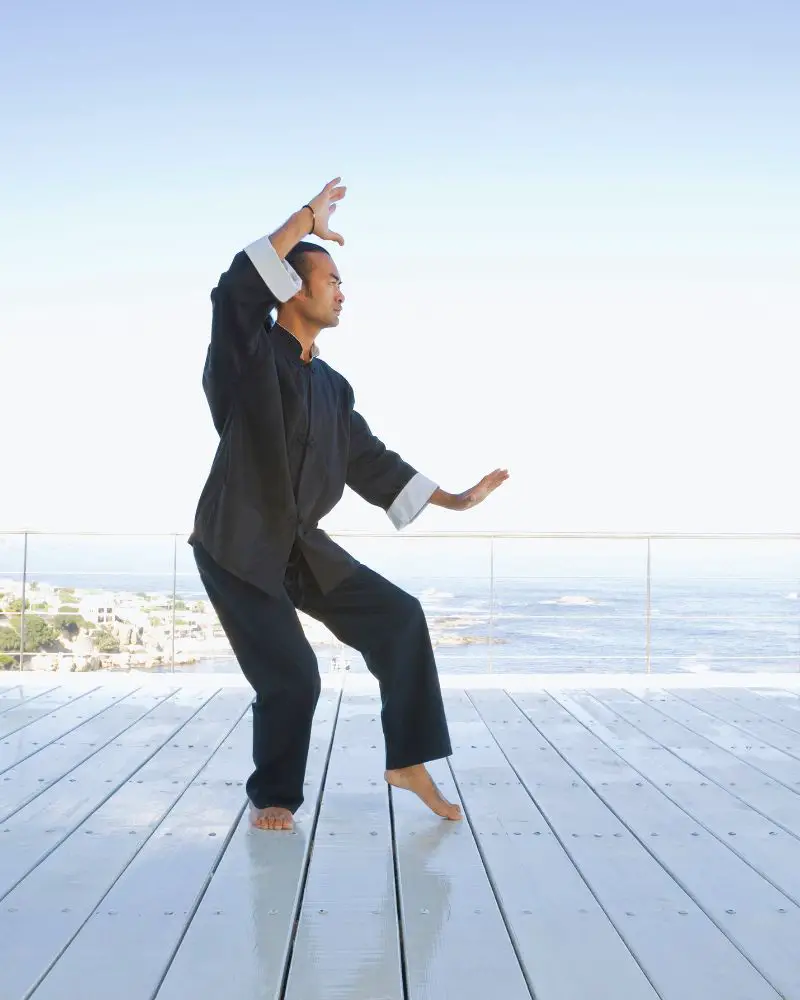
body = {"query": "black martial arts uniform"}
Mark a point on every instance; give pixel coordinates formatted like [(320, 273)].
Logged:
[(290, 440)]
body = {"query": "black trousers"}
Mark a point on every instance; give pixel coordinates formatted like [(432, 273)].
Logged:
[(384, 623)]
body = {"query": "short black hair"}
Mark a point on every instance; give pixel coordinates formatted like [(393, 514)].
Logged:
[(298, 258)]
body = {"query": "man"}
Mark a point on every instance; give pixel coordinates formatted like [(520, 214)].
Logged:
[(290, 440)]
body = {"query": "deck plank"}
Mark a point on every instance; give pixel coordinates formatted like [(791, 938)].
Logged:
[(456, 943), (42, 914), (717, 763), (14, 695), (33, 709), (762, 922), (149, 904), (654, 915), (44, 820), (33, 775), (759, 841), (347, 941), (236, 944), (124, 947), (769, 760), (551, 912), (776, 705), (9, 695), (62, 723), (743, 717)]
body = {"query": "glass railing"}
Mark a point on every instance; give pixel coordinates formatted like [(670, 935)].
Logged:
[(531, 603)]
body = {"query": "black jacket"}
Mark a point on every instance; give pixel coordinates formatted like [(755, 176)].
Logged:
[(290, 440)]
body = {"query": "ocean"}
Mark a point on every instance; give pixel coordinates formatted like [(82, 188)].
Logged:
[(550, 624)]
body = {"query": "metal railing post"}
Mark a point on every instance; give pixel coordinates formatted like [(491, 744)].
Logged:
[(22, 610), (648, 616), (174, 594)]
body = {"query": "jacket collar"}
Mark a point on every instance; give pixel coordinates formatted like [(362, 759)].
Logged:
[(290, 345)]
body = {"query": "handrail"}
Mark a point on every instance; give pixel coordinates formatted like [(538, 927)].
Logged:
[(490, 536), (640, 536)]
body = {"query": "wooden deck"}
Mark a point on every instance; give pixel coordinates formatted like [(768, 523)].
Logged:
[(621, 843)]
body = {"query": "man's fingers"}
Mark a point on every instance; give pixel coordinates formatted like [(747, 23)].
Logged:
[(493, 480), (499, 475), (336, 237), (331, 191)]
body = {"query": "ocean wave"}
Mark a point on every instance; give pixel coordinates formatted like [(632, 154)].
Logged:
[(573, 600)]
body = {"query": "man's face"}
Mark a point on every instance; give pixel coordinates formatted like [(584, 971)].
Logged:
[(323, 295)]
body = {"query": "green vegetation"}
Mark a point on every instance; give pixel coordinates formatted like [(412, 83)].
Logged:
[(70, 625), (39, 634), (9, 639), (105, 641)]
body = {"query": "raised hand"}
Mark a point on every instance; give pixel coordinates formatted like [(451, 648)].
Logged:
[(323, 206), (470, 498), (481, 490)]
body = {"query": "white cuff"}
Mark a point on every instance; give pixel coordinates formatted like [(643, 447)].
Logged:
[(411, 501), (278, 275)]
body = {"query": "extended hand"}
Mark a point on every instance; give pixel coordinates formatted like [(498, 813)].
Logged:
[(324, 205), (479, 492)]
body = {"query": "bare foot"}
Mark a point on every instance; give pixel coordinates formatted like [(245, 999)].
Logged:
[(417, 780), (271, 818)]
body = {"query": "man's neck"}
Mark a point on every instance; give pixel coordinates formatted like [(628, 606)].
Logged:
[(304, 335)]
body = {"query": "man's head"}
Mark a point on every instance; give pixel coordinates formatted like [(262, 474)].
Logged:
[(319, 302)]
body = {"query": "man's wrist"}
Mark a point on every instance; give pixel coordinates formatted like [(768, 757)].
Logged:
[(295, 229), (450, 501)]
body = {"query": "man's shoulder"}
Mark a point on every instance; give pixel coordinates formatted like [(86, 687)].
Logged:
[(336, 378)]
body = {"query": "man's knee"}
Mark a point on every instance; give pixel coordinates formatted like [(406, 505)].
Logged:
[(303, 684), (298, 686), (407, 609)]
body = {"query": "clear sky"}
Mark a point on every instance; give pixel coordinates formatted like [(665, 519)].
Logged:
[(573, 238)]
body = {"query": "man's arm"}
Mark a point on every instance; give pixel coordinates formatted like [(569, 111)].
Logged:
[(257, 280), (259, 277), (311, 219), (268, 255), (381, 477)]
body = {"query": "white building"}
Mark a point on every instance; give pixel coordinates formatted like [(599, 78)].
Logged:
[(100, 609)]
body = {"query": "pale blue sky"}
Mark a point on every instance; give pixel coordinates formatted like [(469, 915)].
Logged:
[(572, 229)]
